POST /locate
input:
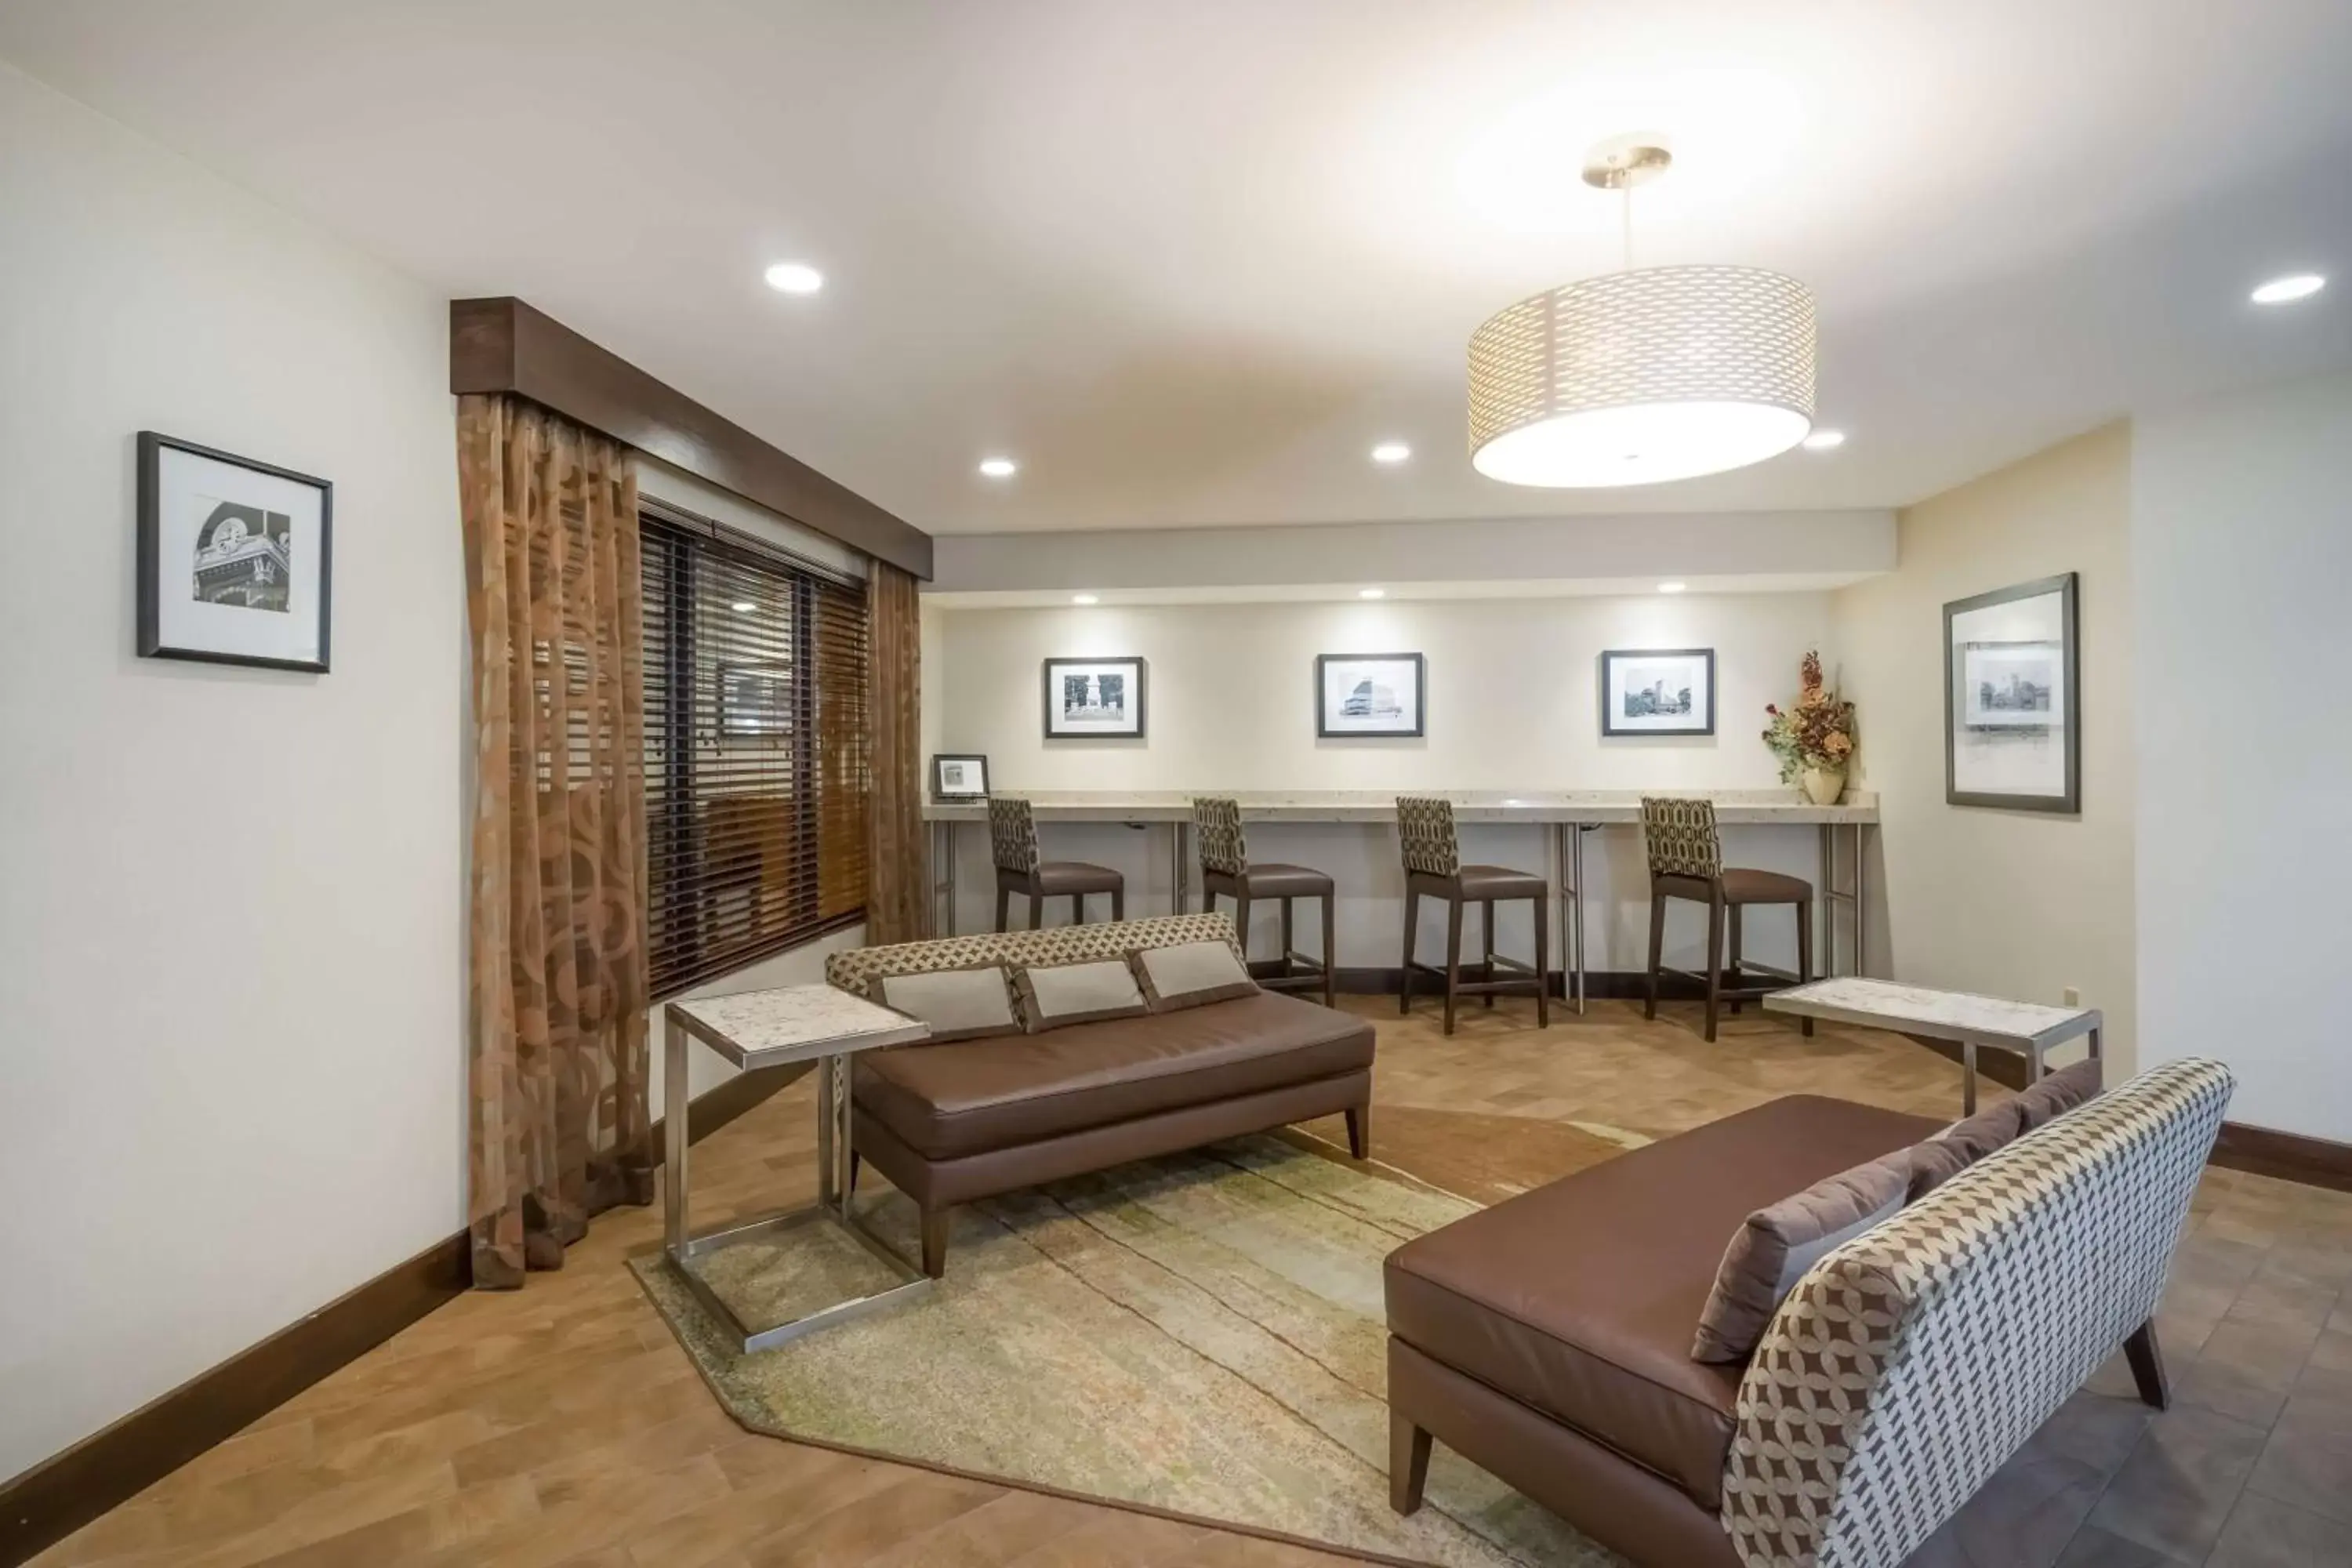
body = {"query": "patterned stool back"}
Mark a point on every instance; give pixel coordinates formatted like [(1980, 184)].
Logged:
[(1013, 834), (1425, 830), (1681, 838), (1218, 821)]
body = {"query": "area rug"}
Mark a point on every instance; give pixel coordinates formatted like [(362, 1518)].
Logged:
[(1199, 1335)]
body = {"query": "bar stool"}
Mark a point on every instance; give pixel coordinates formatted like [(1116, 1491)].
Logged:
[(1433, 869), (1012, 837), (1687, 862), (1225, 869)]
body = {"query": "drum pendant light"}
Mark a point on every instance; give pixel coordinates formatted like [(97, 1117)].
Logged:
[(1642, 375)]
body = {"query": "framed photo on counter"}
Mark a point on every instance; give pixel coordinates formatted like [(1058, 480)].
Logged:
[(1359, 695), (1657, 691), (2012, 682), (957, 777)]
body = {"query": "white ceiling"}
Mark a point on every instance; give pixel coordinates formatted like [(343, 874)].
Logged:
[(1189, 260)]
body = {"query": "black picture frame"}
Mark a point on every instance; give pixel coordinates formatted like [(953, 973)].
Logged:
[(2066, 587), (1612, 730), (152, 445), (939, 792), (1136, 672), (1323, 730)]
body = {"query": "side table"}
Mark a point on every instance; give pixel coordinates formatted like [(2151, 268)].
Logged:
[(2029, 1028), (755, 1029)]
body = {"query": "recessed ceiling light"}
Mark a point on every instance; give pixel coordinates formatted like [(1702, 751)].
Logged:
[(999, 468), (1372, 593), (744, 606), (794, 278), (1083, 599), (1672, 588), (1823, 440), (1390, 452), (2295, 285)]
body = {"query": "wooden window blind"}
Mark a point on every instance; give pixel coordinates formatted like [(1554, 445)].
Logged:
[(757, 777)]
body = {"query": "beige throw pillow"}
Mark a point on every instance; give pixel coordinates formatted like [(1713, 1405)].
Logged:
[(958, 1004), (1059, 994), (1771, 1251), (1191, 974)]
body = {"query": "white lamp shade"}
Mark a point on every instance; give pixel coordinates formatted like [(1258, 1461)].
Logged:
[(1639, 377)]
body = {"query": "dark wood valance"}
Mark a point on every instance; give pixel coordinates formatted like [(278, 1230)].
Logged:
[(503, 345)]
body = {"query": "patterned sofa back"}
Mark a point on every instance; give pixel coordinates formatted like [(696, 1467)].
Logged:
[(1909, 1363), (858, 968)]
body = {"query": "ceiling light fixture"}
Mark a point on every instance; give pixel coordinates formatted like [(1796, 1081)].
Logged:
[(2294, 286), (1672, 588), (794, 278), (1390, 452), (1083, 599), (1372, 593), (1823, 440), (1641, 376), (999, 468)]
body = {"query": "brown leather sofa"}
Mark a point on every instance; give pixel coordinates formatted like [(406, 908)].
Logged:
[(1548, 1340), (950, 1123)]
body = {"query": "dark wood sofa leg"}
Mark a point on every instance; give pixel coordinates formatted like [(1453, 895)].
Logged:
[(1407, 1464), (1359, 1131), (2147, 1366), (935, 1242)]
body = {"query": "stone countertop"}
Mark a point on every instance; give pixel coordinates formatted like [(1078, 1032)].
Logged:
[(1941, 1014), (792, 1023), (1599, 807)]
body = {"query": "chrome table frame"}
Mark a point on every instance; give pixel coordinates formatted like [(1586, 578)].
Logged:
[(681, 1246), (2027, 1028)]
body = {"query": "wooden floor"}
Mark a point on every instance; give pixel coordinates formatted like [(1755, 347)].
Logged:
[(560, 1425)]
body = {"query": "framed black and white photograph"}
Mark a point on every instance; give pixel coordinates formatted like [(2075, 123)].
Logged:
[(1657, 691), (233, 558), (755, 700), (958, 777), (1093, 698), (2011, 736), (1369, 694)]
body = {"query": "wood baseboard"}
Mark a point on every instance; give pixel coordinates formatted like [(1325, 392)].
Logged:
[(2290, 1156), (61, 1494)]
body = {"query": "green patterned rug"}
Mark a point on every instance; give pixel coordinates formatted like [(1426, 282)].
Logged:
[(1199, 1335)]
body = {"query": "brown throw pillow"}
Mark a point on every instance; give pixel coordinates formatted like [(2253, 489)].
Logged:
[(1191, 974), (1994, 1126), (1932, 1163), (1771, 1251), (958, 1004), (1058, 994), (2058, 1093)]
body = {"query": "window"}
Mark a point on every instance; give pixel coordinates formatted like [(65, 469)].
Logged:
[(756, 773)]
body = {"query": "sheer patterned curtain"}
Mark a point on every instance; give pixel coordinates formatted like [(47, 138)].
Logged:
[(561, 1125), (897, 895)]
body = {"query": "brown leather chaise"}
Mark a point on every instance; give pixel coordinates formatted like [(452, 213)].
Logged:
[(1547, 1339), (950, 1123)]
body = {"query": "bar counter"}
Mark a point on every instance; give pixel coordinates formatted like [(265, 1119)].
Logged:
[(1565, 815)]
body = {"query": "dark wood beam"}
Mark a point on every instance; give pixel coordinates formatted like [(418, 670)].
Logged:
[(504, 345)]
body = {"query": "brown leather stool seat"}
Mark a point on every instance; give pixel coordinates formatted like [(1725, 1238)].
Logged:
[(1056, 878), (1476, 882), (1227, 871), (1749, 887), (1580, 1300)]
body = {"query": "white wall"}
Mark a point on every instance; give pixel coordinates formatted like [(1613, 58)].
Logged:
[(2241, 549), (2013, 903), (231, 919), (1513, 704)]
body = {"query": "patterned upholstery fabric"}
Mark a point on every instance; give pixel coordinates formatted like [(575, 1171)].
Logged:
[(1681, 838), (1013, 834), (1425, 826), (855, 969), (1913, 1359), (1218, 822)]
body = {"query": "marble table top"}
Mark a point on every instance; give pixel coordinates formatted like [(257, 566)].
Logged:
[(792, 1023), (1599, 807), (1939, 1014)]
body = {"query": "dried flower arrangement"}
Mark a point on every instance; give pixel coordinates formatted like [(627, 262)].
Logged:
[(1818, 733)]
